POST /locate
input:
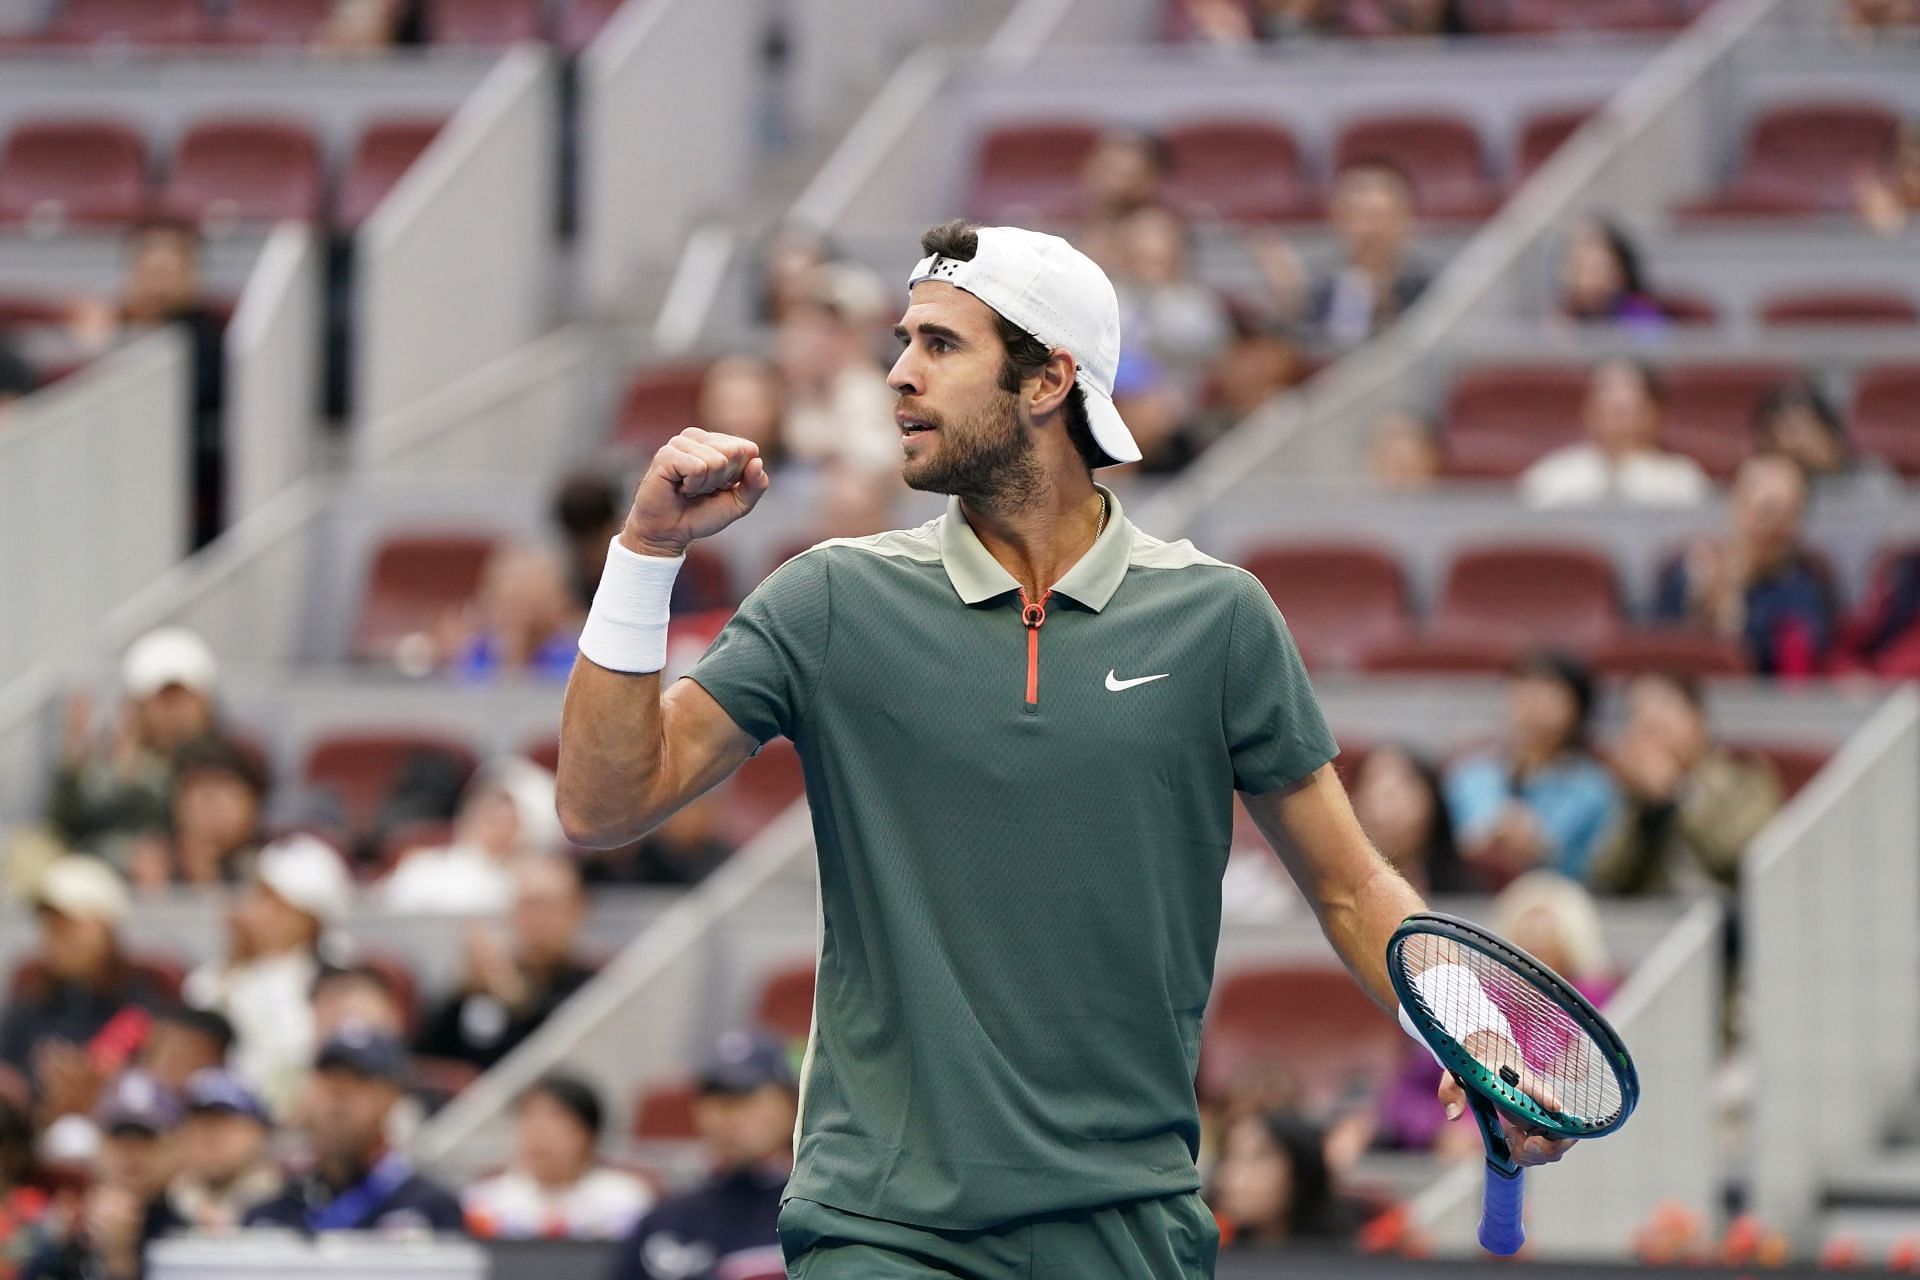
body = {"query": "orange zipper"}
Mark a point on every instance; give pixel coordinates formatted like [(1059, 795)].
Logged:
[(1032, 615)]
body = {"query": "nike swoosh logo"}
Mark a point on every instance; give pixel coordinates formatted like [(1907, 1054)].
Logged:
[(1116, 685)]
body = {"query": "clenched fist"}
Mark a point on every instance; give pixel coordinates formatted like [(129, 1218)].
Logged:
[(700, 482)]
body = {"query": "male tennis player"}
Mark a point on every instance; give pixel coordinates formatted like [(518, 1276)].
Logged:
[(1021, 726)]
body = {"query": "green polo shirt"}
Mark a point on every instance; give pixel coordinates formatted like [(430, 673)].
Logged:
[(1020, 899)]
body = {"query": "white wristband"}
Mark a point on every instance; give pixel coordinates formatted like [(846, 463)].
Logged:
[(626, 629), (1459, 1002)]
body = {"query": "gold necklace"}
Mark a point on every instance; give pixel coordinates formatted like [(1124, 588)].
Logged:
[(1101, 523)]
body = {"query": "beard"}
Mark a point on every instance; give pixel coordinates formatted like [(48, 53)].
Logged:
[(986, 458)]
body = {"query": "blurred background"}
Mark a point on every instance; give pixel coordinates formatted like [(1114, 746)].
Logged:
[(1554, 363)]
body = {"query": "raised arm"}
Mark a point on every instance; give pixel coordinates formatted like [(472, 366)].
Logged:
[(629, 754)]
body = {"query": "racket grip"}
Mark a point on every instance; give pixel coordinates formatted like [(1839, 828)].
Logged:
[(1500, 1229)]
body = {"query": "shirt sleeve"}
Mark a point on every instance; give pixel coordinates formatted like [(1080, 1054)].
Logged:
[(764, 664), (1276, 734)]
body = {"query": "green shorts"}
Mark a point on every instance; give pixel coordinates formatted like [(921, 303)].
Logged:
[(1167, 1238)]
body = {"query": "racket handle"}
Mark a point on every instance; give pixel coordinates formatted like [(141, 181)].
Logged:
[(1500, 1229)]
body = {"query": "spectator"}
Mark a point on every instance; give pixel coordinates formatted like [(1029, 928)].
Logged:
[(1540, 798), (588, 510), (360, 26), (745, 1116), (506, 815), (1273, 1187), (1757, 584), (1155, 411), (1170, 317), (17, 380), (83, 1007), (1403, 453), (1601, 281), (1884, 637), (511, 988), (1689, 806), (225, 1166), (1422, 18), (741, 395), (1258, 365), (126, 1207), (300, 890), (556, 1187), (183, 1041), (524, 620), (1377, 278), (1555, 921), (219, 787), (838, 405), (1126, 171), (1872, 21), (22, 1200), (1232, 23), (685, 849), (1621, 460), (1889, 201), (789, 270), (1797, 421), (1403, 809), (358, 1180), (355, 993), (106, 793)]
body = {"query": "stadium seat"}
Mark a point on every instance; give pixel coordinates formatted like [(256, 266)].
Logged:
[(1542, 134), (73, 171), (1557, 17), (1340, 600), (20, 309), (1640, 651), (414, 580), (1237, 171), (228, 171), (1031, 173), (785, 1006), (360, 768), (1456, 655), (441, 1079), (482, 24), (274, 22), (1796, 763), (1710, 410), (1684, 308), (762, 789), (543, 750), (163, 973), (1531, 594), (1499, 420), (1803, 158), (1886, 415), (1842, 306), (582, 20), (88, 22), (386, 150), (1311, 1020), (660, 402), (704, 583), (664, 1112), (1440, 154)]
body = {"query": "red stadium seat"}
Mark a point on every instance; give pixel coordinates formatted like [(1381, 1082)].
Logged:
[(582, 20), (1237, 171), (1500, 420), (386, 150), (131, 22), (1543, 134), (161, 972), (1684, 308), (1311, 1020), (1692, 653), (664, 1112), (1803, 158), (1886, 415), (414, 580), (660, 402), (1459, 655), (359, 768), (1842, 306), (73, 171), (1439, 153), (245, 171), (1531, 594), (441, 1077), (483, 24), (20, 309), (762, 789), (1710, 410), (275, 22), (1796, 763), (1339, 600), (1031, 173), (785, 1006), (544, 751), (1556, 17)]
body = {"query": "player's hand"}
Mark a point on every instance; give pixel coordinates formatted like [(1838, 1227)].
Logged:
[(699, 483), (1527, 1146)]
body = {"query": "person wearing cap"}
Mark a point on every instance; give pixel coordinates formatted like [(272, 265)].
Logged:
[(358, 1180), (225, 1165), (743, 1112), (556, 1188), (1021, 727), (300, 889), (505, 816), (219, 787), (106, 793)]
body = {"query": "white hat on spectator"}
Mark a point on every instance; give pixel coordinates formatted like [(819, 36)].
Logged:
[(307, 874), (168, 656), (530, 790), (84, 888)]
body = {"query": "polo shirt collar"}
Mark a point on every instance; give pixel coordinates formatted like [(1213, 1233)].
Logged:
[(977, 576)]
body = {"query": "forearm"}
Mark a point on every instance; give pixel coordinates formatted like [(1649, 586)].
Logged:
[(1360, 915), (612, 755)]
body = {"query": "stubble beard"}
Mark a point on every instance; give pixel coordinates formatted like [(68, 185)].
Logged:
[(987, 461)]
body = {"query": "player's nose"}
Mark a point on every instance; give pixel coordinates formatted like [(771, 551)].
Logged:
[(904, 378)]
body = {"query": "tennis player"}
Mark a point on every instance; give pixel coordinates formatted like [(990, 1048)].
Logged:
[(1021, 725)]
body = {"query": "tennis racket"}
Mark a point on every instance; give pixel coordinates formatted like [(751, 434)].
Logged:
[(1519, 1039)]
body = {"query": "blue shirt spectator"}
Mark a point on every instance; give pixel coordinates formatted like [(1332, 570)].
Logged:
[(1569, 798)]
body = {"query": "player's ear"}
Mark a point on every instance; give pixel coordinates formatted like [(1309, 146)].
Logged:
[(1046, 391)]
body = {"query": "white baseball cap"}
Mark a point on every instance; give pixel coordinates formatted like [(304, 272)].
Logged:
[(168, 656), (304, 872), (82, 888), (1060, 296)]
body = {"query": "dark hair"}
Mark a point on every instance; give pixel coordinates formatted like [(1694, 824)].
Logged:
[(1568, 671), (333, 973), (960, 240), (213, 753), (1159, 154), (573, 1094), (1651, 379), (1688, 686), (210, 1023), (586, 503), (16, 1143), (1314, 1211), (1446, 871), (1626, 255), (1799, 394), (16, 375)]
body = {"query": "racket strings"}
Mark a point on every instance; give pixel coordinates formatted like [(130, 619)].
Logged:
[(1551, 1051)]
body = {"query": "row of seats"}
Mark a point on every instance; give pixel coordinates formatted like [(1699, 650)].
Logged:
[(225, 170), (1376, 18), (162, 24), (1499, 420), (1878, 308)]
